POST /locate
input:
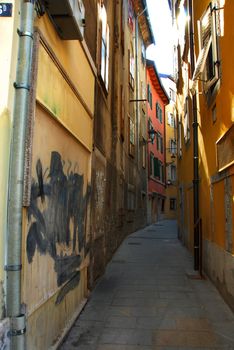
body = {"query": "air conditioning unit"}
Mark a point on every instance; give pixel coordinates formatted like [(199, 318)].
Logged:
[(68, 17)]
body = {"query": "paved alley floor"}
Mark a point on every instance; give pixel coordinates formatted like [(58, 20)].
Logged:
[(146, 300)]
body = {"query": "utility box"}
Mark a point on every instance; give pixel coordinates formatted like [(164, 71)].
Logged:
[(68, 17)]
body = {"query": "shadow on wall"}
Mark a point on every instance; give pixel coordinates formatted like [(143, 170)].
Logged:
[(56, 217)]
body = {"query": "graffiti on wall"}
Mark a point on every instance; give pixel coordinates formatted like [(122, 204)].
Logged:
[(56, 218)]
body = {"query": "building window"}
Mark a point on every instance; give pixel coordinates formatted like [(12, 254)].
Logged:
[(151, 164), (158, 169), (104, 55), (172, 146), (172, 204), (172, 95), (171, 173), (171, 119), (143, 124), (207, 66), (149, 95), (159, 142), (131, 68), (158, 112)]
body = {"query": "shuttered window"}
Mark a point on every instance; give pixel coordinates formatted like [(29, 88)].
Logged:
[(156, 168), (158, 112), (149, 95), (207, 65)]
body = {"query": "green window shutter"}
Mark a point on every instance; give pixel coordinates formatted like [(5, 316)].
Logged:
[(157, 140), (156, 167), (163, 175), (150, 165), (148, 92)]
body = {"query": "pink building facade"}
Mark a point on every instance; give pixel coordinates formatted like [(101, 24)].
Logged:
[(157, 99)]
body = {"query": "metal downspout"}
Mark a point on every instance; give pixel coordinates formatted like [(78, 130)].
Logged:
[(195, 153), (15, 194)]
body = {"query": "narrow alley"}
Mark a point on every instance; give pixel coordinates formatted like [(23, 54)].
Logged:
[(116, 175), (149, 298)]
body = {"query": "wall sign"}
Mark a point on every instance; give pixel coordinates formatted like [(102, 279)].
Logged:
[(5, 9)]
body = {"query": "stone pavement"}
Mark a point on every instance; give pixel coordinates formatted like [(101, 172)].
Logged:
[(147, 300)]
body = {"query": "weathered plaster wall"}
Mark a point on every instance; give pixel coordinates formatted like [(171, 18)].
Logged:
[(4, 330), (219, 265), (118, 180), (56, 238)]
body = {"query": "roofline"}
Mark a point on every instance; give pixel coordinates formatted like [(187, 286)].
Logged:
[(150, 63), (144, 3), (168, 76)]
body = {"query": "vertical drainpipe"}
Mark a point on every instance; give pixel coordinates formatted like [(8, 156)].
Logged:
[(195, 152), (14, 211)]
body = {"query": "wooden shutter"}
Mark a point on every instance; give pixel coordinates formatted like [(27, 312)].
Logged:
[(156, 168), (207, 35)]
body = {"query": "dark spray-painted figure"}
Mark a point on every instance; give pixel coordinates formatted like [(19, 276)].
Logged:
[(61, 221)]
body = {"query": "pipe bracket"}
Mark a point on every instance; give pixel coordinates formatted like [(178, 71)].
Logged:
[(13, 267), (16, 332), (21, 86), (21, 33)]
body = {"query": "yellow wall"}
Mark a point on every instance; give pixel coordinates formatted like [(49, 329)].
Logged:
[(210, 132), (185, 164), (171, 190), (216, 185), (63, 130)]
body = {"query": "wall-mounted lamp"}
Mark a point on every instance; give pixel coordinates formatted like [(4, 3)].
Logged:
[(152, 133)]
